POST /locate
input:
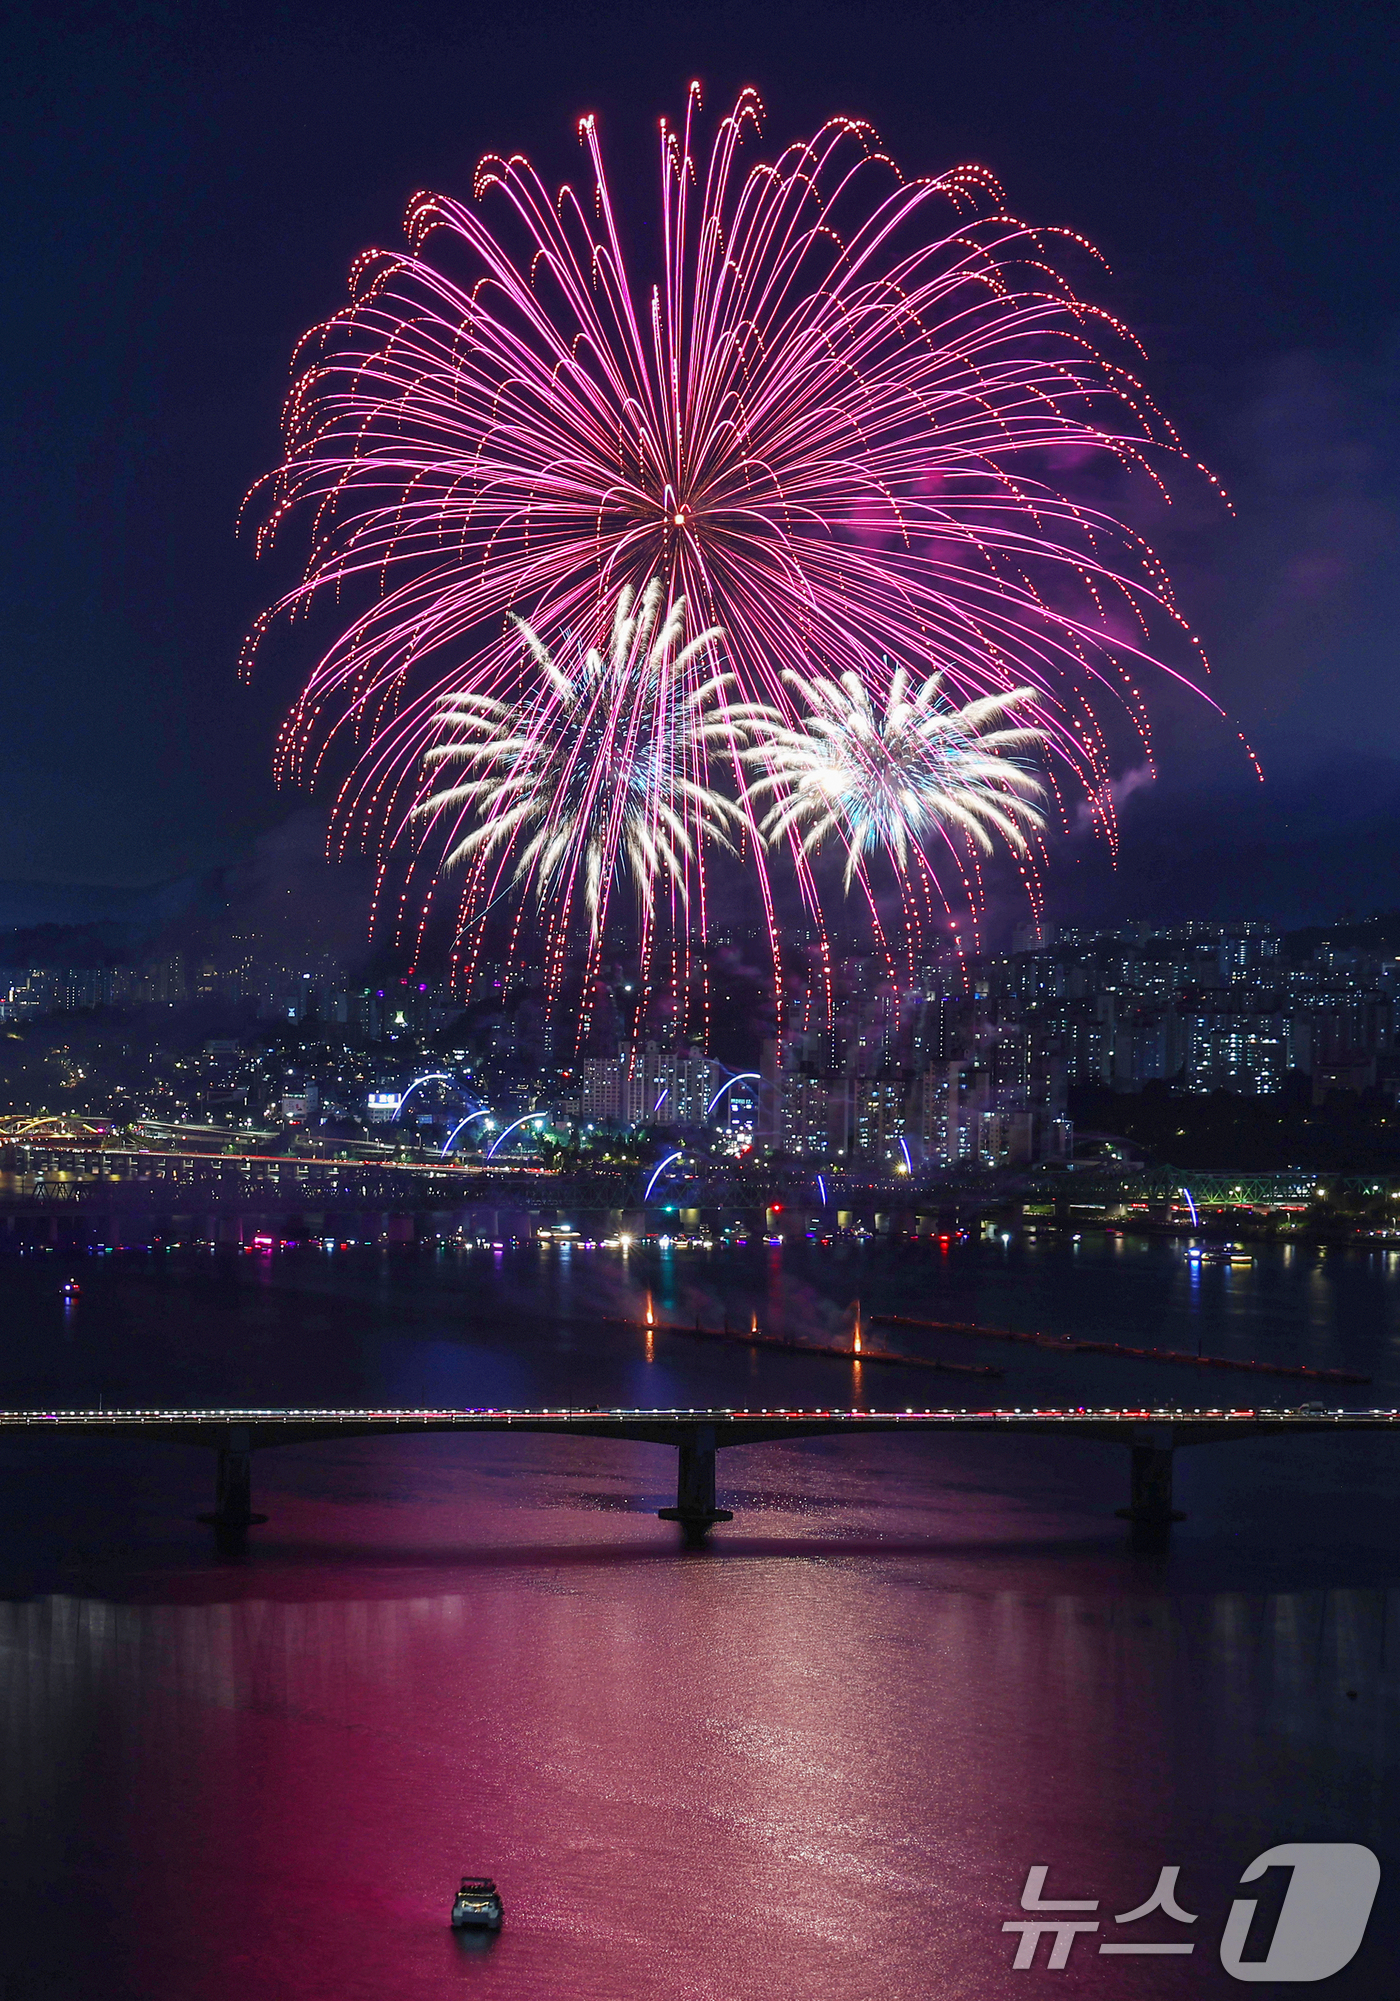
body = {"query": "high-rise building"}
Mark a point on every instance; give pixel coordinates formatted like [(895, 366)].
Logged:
[(648, 1087), (1235, 1049)]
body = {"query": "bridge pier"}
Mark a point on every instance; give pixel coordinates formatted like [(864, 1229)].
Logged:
[(233, 1484), (695, 1508), (1150, 1509)]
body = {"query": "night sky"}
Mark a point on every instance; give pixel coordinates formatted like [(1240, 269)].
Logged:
[(188, 185)]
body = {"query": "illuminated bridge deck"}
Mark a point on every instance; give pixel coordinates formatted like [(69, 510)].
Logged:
[(1192, 1426), (1152, 1436)]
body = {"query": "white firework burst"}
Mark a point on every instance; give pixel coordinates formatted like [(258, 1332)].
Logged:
[(888, 777), (589, 772)]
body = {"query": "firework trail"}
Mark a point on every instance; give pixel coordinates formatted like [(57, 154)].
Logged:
[(859, 423)]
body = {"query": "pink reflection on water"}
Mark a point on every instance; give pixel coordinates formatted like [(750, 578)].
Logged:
[(815, 1761)]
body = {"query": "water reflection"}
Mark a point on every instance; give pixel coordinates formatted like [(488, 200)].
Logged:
[(771, 1777), (814, 1762)]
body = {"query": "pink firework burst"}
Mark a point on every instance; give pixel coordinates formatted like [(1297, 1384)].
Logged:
[(861, 424)]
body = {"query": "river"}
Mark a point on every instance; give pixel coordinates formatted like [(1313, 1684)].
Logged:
[(813, 1762)]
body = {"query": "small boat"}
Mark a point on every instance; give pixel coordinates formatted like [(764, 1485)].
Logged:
[(477, 1905), (71, 1289)]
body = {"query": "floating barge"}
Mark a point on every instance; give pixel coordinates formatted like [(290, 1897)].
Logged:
[(1064, 1344), (756, 1339)]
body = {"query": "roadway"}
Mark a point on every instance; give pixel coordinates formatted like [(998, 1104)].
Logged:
[(1152, 1437), (264, 1428)]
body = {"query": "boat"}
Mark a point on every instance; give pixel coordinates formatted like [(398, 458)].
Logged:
[(477, 1905)]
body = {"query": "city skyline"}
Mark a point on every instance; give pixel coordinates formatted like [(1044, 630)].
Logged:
[(1002, 1060)]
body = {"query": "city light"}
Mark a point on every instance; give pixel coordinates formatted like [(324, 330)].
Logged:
[(462, 1125), (430, 1077), (743, 1076), (514, 1127), (660, 1170)]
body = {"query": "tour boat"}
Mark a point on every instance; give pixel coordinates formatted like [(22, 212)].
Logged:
[(477, 1905)]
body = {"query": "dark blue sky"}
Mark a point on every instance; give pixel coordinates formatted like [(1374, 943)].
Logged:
[(187, 186)]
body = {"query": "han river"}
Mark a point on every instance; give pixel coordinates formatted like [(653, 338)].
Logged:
[(815, 1761)]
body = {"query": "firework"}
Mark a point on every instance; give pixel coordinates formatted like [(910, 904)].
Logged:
[(855, 420), (889, 778), (588, 773)]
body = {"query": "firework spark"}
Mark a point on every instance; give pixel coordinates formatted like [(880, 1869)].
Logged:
[(587, 774), (890, 779), (857, 420)]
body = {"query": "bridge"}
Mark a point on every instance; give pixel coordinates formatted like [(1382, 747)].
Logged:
[(1151, 1436), (1180, 1188), (68, 1194)]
